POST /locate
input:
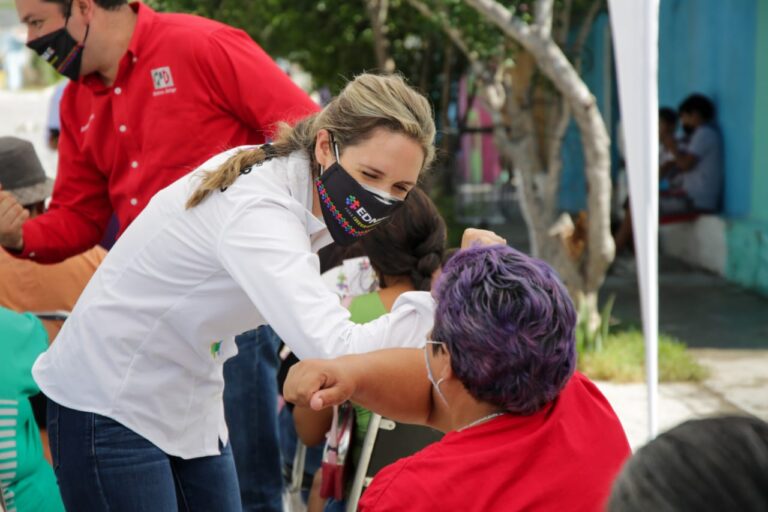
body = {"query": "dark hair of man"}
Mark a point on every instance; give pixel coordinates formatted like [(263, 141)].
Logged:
[(708, 465), (698, 103), (668, 115), (109, 5), (410, 244)]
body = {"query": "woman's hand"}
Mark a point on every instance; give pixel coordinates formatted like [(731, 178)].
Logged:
[(472, 237), (318, 383), (12, 217)]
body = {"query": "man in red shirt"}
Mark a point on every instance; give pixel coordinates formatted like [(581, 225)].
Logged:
[(524, 432), (158, 94), (152, 96)]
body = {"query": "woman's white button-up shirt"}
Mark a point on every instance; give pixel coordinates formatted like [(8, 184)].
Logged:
[(144, 346)]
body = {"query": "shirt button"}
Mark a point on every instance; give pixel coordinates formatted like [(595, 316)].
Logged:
[(32, 254), (134, 202), (134, 164), (135, 59), (118, 90), (123, 128)]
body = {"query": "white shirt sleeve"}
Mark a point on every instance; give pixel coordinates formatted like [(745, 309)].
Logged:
[(702, 142), (267, 251)]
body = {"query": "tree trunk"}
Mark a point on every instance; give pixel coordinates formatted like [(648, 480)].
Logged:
[(584, 276), (377, 13), (507, 93)]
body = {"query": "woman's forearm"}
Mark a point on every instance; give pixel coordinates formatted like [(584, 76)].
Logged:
[(394, 383), (390, 382)]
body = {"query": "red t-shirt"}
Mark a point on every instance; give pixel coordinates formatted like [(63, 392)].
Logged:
[(563, 458), (186, 89)]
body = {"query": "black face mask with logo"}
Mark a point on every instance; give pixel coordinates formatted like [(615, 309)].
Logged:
[(351, 210), (61, 50)]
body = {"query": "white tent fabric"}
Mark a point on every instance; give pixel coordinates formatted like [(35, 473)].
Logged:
[(635, 29)]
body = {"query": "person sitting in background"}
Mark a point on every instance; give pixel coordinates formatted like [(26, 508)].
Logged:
[(524, 430), (405, 253), (24, 284), (667, 128), (667, 172), (690, 169), (697, 159), (27, 481), (707, 465)]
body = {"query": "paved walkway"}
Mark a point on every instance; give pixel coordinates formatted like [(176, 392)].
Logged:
[(699, 308), (738, 384)]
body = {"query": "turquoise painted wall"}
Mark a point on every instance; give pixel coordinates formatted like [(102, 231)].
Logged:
[(719, 49), (597, 72), (747, 262), (760, 154), (708, 46)]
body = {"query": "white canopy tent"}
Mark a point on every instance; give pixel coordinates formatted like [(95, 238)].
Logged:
[(635, 29)]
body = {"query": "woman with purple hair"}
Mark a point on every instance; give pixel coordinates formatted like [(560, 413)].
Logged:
[(524, 430)]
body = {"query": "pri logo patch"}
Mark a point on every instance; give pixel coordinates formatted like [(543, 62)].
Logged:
[(353, 203), (162, 79)]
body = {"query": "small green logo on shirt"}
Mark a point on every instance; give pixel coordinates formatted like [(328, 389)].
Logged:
[(215, 349)]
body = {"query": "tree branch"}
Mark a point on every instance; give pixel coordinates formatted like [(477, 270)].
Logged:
[(542, 15), (514, 135), (550, 58), (452, 32), (377, 13), (554, 64), (555, 159)]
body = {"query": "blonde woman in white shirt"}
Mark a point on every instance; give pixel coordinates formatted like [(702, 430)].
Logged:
[(135, 379)]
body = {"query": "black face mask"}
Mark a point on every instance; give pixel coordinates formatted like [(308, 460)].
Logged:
[(688, 129), (350, 210), (60, 50)]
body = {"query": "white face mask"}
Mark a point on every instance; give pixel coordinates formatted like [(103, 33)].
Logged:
[(381, 195), (429, 371)]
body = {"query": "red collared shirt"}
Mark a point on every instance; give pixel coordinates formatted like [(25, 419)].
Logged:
[(186, 89)]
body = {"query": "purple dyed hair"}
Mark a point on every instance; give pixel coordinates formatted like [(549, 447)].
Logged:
[(509, 324)]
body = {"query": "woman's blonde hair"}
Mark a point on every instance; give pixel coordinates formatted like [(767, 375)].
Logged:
[(368, 102)]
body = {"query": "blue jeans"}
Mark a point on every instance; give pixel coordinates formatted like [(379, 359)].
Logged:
[(332, 505), (250, 407), (101, 465)]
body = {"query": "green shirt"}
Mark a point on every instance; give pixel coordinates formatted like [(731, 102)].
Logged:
[(27, 480), (363, 309)]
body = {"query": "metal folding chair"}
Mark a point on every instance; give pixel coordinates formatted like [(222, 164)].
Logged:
[(292, 492), (386, 442)]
